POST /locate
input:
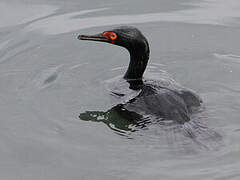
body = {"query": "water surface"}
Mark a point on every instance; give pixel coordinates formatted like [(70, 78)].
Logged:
[(48, 77)]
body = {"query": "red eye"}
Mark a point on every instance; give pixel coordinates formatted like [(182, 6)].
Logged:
[(111, 35)]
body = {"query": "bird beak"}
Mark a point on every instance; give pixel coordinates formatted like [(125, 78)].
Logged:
[(96, 37)]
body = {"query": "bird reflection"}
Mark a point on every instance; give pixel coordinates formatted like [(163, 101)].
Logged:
[(118, 119), (125, 122)]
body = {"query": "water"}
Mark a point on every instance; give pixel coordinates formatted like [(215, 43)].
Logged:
[(48, 77)]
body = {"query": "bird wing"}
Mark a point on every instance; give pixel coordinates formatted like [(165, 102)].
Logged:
[(162, 103)]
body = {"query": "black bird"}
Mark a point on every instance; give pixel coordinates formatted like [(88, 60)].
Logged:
[(163, 101)]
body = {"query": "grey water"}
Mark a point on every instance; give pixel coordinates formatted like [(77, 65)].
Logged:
[(48, 78)]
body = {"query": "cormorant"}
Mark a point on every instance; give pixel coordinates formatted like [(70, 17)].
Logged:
[(166, 102)]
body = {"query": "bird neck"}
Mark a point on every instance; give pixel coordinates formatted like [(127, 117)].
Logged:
[(137, 65)]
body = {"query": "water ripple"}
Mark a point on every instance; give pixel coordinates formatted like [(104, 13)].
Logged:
[(233, 57), (20, 13), (48, 76), (207, 12)]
